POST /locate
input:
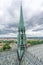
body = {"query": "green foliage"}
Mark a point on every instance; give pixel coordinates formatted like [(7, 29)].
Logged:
[(0, 42), (1, 50), (6, 47), (6, 44), (8, 41), (35, 42)]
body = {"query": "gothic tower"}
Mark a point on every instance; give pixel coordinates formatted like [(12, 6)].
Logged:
[(21, 36)]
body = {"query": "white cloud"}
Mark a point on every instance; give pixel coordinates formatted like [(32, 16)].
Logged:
[(9, 35), (10, 11), (2, 27), (1, 13), (5, 3), (31, 33), (32, 7)]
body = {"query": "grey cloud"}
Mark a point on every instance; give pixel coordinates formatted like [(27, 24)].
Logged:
[(39, 29), (8, 29), (38, 19), (11, 12), (14, 25), (13, 22), (14, 7), (30, 24), (35, 20)]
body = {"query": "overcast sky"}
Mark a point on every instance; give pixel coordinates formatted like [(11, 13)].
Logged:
[(10, 15)]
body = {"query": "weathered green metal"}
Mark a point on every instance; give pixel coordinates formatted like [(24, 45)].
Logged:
[(21, 36)]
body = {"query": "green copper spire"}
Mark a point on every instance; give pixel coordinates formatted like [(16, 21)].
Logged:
[(21, 35), (21, 24)]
